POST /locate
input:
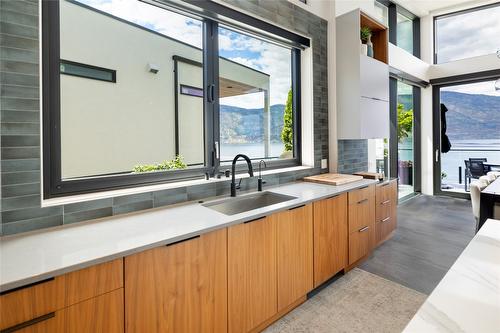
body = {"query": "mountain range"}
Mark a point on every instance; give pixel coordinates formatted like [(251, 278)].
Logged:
[(471, 116), (240, 125)]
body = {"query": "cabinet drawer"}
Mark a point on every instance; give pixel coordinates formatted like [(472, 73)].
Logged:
[(93, 281), (102, 314), (359, 195), (383, 228), (360, 243), (361, 208), (24, 304), (33, 301), (386, 191)]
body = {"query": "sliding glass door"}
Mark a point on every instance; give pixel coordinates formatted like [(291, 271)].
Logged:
[(405, 139), (467, 133), (405, 136)]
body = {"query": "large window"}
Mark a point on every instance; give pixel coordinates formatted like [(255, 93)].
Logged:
[(404, 26), (135, 93), (465, 34), (469, 119), (405, 33)]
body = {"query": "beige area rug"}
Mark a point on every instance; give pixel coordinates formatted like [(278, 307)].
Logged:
[(357, 302)]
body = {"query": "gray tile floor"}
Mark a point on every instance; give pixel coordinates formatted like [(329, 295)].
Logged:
[(432, 232)]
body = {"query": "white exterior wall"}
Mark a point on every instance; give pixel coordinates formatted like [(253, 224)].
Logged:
[(131, 121)]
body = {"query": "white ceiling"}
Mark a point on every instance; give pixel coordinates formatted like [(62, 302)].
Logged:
[(424, 7)]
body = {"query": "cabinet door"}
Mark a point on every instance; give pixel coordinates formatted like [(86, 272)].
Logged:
[(374, 78), (374, 118), (361, 222), (252, 284), (330, 237), (294, 254), (178, 288)]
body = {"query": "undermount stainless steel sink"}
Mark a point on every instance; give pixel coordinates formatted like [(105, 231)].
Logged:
[(247, 203)]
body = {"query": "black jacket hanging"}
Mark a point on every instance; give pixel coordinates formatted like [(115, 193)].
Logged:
[(445, 141)]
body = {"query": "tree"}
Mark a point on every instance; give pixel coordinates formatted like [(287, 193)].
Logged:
[(287, 131), (405, 122)]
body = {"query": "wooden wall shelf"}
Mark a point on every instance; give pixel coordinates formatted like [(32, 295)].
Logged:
[(380, 36)]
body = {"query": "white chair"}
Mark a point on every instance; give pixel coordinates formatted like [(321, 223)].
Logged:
[(494, 174), (475, 196), (485, 179)]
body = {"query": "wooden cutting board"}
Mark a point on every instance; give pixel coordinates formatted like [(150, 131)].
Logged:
[(333, 179), (370, 175)]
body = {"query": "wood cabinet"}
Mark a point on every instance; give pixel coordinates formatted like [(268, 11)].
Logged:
[(361, 212), (330, 237), (42, 306), (178, 288), (252, 284), (294, 239), (386, 210)]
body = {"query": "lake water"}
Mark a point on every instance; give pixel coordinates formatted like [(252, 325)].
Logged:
[(465, 149)]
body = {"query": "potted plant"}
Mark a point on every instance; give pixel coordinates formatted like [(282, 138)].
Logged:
[(405, 172), (365, 36)]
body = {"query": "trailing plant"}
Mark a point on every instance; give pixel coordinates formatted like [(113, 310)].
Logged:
[(405, 122), (365, 33), (287, 131), (176, 163)]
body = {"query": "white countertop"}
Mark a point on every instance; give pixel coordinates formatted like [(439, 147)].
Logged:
[(468, 297), (35, 256)]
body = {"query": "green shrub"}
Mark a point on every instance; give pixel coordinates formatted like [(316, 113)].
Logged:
[(287, 131), (176, 163)]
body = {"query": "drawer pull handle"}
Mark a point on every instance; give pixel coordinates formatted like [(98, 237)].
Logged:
[(385, 202), (174, 243), (385, 184), (364, 229), (28, 323), (25, 286), (250, 221), (297, 207), (386, 219), (362, 201)]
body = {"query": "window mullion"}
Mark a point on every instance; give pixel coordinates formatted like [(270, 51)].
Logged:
[(211, 94)]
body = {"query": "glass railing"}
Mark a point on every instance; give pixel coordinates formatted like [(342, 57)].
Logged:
[(453, 165)]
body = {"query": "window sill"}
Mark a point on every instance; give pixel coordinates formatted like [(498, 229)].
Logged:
[(152, 188)]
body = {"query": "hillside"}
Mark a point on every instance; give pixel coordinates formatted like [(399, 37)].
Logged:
[(239, 125), (471, 116)]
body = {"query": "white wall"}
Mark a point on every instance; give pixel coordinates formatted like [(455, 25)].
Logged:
[(131, 121)]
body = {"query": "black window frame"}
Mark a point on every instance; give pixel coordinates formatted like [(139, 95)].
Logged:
[(53, 184), (79, 64), (451, 14), (394, 10)]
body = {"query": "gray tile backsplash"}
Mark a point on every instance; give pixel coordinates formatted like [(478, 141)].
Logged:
[(352, 156), (20, 122)]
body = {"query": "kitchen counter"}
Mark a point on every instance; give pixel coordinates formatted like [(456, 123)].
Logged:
[(468, 297), (35, 256)]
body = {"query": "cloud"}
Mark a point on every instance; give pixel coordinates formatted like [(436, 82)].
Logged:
[(480, 88), (168, 23), (468, 35), (261, 55)]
